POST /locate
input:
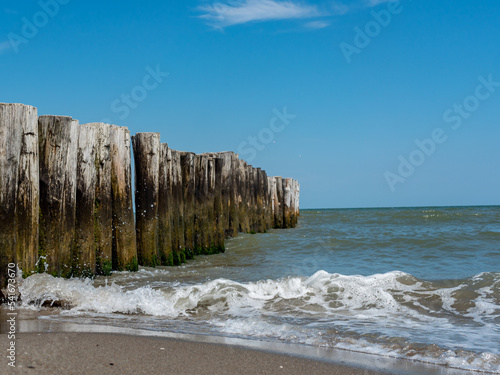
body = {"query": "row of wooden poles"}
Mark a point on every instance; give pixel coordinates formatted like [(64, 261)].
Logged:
[(66, 202)]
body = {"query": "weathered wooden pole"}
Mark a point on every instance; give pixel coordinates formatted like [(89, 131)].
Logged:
[(297, 199), (226, 183), (267, 192), (188, 199), (239, 187), (248, 201), (177, 209), (206, 189), (278, 203), (210, 208), (84, 254), (218, 206), (198, 213), (271, 191), (11, 116), (201, 217), (165, 207), (147, 166), (287, 203), (262, 200), (254, 204), (259, 203), (292, 203), (58, 141), (94, 143), (219, 201), (103, 199), (124, 247), (235, 180), (249, 197), (295, 202), (19, 193), (241, 190), (27, 215)]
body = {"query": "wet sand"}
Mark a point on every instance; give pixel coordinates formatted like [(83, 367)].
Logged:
[(102, 353), (44, 346)]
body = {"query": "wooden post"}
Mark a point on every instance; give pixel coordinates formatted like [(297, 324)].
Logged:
[(234, 223), (278, 203), (259, 228), (254, 205), (103, 199), (226, 183), (177, 209), (164, 207), (262, 200), (188, 198), (239, 187), (18, 188), (248, 200), (295, 202), (147, 165), (271, 191), (241, 201), (220, 197), (97, 142), (297, 199), (198, 208), (84, 255), (218, 206), (248, 203), (259, 203), (201, 228), (287, 202), (210, 208), (27, 215), (10, 149), (124, 247), (58, 140)]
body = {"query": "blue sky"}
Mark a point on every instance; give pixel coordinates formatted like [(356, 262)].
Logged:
[(368, 103)]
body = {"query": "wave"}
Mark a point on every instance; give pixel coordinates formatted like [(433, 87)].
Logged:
[(392, 292), (453, 322)]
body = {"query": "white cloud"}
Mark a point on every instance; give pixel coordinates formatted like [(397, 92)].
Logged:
[(222, 14), (317, 24), (339, 8)]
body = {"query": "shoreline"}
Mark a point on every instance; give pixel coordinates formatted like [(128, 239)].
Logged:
[(97, 353), (45, 347)]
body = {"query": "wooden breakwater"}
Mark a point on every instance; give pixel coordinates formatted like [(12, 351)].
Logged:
[(66, 197)]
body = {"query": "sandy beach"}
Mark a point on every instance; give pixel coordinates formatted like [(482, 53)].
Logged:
[(44, 346), (97, 353)]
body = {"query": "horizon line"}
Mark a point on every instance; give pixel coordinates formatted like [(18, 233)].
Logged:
[(390, 207)]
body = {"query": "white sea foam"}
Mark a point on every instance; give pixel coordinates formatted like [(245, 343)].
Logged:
[(390, 314)]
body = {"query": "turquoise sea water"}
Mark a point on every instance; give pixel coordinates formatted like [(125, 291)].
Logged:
[(417, 283)]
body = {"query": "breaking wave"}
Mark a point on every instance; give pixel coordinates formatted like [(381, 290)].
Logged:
[(450, 322)]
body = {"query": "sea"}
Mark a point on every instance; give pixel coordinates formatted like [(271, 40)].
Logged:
[(420, 284)]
